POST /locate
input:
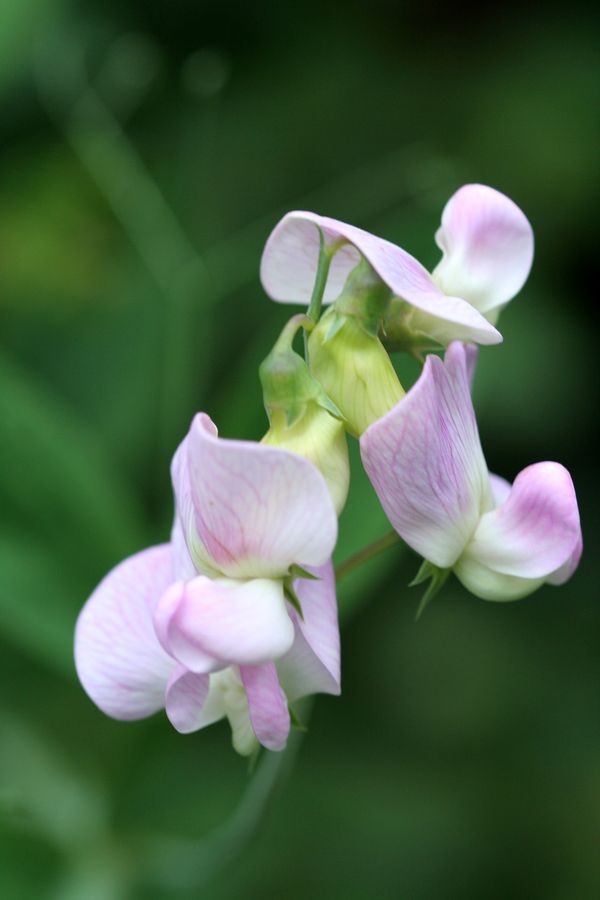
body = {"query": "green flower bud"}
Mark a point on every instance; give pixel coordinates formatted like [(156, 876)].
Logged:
[(302, 418), (321, 438), (347, 357)]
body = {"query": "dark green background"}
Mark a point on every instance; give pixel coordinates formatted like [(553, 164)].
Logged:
[(147, 150)]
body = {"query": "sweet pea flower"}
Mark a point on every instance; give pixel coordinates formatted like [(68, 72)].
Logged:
[(425, 461), (487, 246), (201, 626)]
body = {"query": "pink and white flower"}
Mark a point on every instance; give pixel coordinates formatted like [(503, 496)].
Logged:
[(201, 626), (487, 246), (426, 464)]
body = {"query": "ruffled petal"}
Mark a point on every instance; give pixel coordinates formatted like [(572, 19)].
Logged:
[(185, 697), (425, 462), (289, 266), (312, 665), (208, 625), (119, 660), (267, 705), (487, 244), (257, 509), (536, 530)]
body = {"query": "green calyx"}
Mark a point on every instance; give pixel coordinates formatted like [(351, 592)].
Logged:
[(288, 386), (437, 578), (289, 588)]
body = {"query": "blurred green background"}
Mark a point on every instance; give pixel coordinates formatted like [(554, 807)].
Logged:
[(148, 147)]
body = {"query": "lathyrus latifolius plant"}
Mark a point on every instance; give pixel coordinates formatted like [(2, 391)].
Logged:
[(236, 616)]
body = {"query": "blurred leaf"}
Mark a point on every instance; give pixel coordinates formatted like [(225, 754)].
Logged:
[(20, 23), (47, 206), (38, 601), (51, 798), (58, 483)]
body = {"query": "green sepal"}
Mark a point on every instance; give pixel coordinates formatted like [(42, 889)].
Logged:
[(324, 401), (292, 597), (296, 571), (335, 322), (296, 722), (436, 577)]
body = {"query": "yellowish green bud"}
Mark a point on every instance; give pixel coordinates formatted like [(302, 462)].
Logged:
[(346, 355), (302, 418), (354, 369), (319, 437)]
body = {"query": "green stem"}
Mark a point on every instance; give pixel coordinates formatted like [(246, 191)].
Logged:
[(362, 556), (314, 309), (326, 254), (289, 331)]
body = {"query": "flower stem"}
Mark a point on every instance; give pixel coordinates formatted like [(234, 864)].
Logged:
[(362, 556), (326, 254), (290, 329)]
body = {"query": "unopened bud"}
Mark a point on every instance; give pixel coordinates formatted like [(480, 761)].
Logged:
[(354, 369), (321, 438), (302, 418)]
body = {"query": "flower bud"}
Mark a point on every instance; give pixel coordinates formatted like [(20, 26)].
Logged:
[(347, 357), (302, 418), (319, 437)]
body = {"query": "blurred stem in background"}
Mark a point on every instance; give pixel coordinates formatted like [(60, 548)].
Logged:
[(101, 144), (193, 863), (365, 554)]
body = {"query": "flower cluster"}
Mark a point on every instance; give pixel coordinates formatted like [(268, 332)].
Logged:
[(236, 616)]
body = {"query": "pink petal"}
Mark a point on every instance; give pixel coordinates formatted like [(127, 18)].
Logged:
[(536, 530), (471, 355), (183, 567), (312, 665), (257, 509), (488, 247), (425, 461), (500, 488), (185, 697), (208, 625), (289, 265), (267, 705), (564, 572), (119, 660)]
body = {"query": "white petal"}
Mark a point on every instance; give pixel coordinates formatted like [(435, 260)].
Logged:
[(312, 665), (489, 585), (257, 509), (535, 530), (488, 247), (185, 697), (208, 625), (267, 705), (289, 266), (425, 461), (500, 488), (119, 660)]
